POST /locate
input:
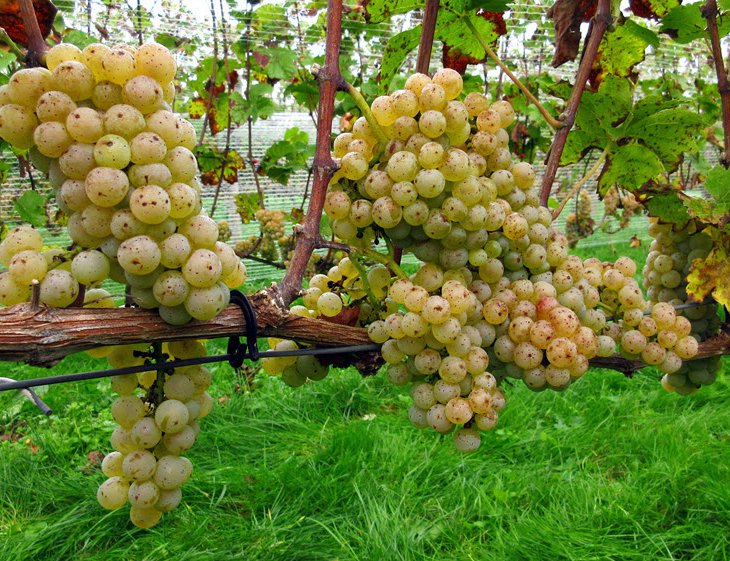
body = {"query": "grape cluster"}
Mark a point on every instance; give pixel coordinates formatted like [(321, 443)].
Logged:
[(98, 122), (580, 223), (497, 295), (147, 468), (671, 253)]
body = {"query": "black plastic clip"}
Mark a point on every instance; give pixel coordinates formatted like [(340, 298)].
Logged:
[(236, 350)]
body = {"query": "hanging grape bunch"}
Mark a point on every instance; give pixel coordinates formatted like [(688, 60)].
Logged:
[(98, 122), (497, 295)]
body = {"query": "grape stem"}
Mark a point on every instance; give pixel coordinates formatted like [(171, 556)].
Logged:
[(428, 29), (552, 121), (710, 12), (579, 184), (598, 26), (364, 108), (365, 284), (37, 46), (386, 260), (308, 234)]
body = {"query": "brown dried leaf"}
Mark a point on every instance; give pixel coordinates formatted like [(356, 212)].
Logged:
[(568, 15)]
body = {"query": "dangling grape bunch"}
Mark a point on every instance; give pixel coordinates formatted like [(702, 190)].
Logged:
[(98, 122), (497, 295)]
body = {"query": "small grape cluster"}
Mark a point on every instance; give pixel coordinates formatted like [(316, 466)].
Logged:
[(671, 253), (98, 122), (327, 296), (147, 468), (580, 223)]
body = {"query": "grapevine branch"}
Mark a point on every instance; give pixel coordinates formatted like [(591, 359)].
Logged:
[(710, 12), (308, 234), (37, 46), (598, 27), (425, 46), (42, 336), (229, 128)]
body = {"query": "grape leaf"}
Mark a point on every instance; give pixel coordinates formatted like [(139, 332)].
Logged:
[(669, 133), (286, 156), (377, 11), (213, 163), (578, 144), (669, 208), (717, 184), (685, 24), (451, 30), (712, 274), (653, 9), (606, 108), (568, 15), (12, 22), (246, 205), (281, 64), (395, 52), (629, 166), (716, 208), (623, 48), (31, 208), (259, 104), (453, 57)]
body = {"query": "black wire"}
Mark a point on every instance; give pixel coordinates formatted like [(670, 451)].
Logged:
[(80, 376)]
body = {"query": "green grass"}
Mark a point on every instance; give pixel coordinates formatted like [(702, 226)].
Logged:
[(611, 469)]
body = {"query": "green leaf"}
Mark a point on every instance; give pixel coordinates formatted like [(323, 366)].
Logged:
[(607, 107), (246, 205), (31, 208), (578, 144), (669, 208), (625, 47), (377, 11), (714, 209), (669, 133), (79, 38), (629, 167), (717, 184), (259, 104), (451, 30), (488, 5), (396, 51), (282, 63), (287, 156), (686, 22)]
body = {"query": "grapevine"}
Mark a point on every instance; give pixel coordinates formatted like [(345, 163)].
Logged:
[(425, 171)]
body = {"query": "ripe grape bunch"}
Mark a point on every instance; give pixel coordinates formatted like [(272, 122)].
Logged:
[(672, 251), (147, 468), (497, 296), (98, 122)]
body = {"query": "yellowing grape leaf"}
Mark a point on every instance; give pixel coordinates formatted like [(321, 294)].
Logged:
[(12, 22), (711, 275)]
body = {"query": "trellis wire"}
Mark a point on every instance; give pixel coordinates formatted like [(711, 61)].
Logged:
[(32, 396), (80, 376)]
